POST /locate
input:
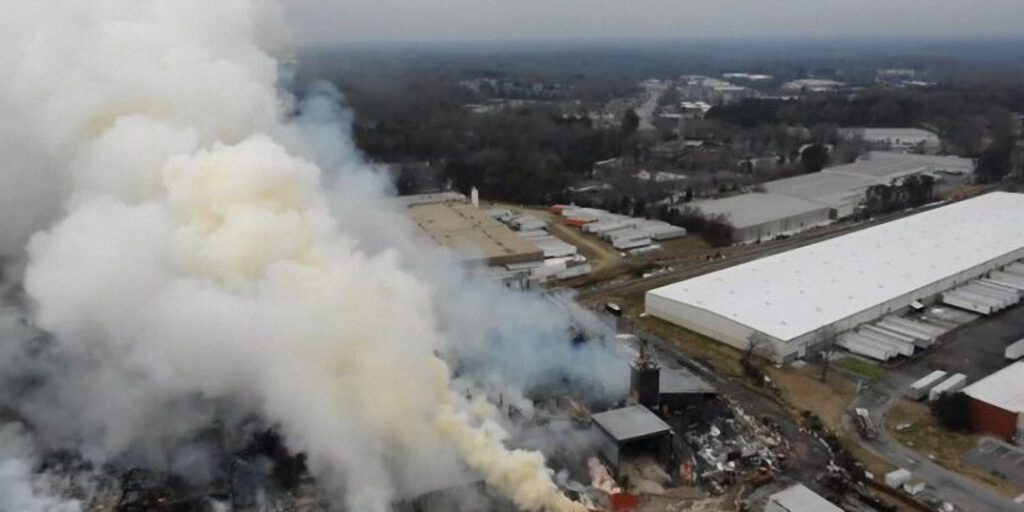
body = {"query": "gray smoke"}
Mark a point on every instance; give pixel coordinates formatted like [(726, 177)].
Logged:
[(208, 247)]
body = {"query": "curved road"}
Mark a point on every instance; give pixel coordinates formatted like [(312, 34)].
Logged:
[(962, 492)]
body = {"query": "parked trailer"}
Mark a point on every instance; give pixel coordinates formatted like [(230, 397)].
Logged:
[(1000, 298), (964, 301), (995, 280), (1006, 287), (931, 330), (1010, 292), (631, 241), (890, 333), (901, 348), (920, 388), (897, 347), (861, 346), (604, 226), (905, 347), (1015, 267), (916, 337), (920, 339), (1015, 351), (951, 385), (1004, 298), (1007, 277)]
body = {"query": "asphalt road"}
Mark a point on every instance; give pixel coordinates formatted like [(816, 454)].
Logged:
[(962, 492), (974, 349)]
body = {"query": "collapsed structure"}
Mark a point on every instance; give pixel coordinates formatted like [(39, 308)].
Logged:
[(790, 299)]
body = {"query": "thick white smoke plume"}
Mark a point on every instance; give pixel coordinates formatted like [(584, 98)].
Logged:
[(210, 248)]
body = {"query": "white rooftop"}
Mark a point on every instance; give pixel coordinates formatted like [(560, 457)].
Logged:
[(801, 499), (889, 165), (893, 133), (796, 292), (1003, 389), (755, 208), (845, 183)]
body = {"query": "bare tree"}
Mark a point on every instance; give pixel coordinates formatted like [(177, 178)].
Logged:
[(757, 344), (825, 339)]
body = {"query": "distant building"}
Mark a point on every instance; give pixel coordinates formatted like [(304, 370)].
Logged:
[(799, 498), (896, 139), (698, 88), (812, 85), (764, 216), (791, 205), (659, 176), (997, 403), (746, 77), (451, 221)]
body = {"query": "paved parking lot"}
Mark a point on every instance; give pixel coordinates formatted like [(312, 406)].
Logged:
[(975, 349), (998, 458)]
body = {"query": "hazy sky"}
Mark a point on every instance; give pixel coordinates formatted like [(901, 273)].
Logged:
[(433, 20)]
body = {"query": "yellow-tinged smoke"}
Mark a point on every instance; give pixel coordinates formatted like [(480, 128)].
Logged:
[(196, 258), (519, 474)]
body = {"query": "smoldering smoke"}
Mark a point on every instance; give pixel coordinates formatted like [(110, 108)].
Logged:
[(207, 247)]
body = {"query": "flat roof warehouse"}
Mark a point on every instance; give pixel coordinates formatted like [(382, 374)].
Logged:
[(849, 279)]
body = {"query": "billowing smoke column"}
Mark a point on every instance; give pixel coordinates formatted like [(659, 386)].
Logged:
[(213, 249)]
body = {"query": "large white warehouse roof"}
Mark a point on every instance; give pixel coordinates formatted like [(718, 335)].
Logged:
[(797, 292)]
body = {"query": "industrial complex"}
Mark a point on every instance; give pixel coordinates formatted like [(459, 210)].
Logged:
[(843, 282), (802, 202), (454, 223)]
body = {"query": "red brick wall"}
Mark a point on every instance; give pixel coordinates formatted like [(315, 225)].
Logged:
[(993, 420)]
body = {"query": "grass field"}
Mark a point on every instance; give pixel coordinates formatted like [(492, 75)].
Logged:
[(861, 367)]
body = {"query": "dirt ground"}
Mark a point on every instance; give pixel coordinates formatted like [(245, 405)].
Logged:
[(805, 391)]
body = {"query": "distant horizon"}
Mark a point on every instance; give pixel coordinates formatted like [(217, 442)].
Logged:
[(661, 41), (462, 21)]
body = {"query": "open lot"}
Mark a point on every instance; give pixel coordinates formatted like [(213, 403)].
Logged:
[(998, 458)]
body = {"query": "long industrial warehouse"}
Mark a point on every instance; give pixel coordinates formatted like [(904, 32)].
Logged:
[(848, 280)]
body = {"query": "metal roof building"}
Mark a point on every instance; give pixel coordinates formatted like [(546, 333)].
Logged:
[(799, 499), (763, 216), (842, 187), (895, 138), (848, 280), (630, 431), (790, 205), (997, 403)]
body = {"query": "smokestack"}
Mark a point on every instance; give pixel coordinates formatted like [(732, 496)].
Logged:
[(474, 197), (644, 378)]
